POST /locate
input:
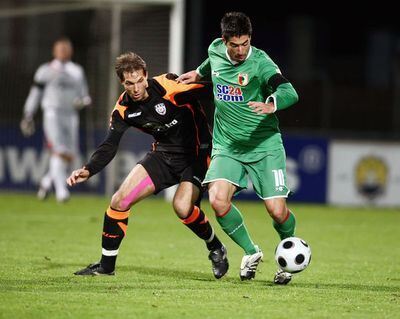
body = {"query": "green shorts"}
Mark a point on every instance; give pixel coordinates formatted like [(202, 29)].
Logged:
[(267, 173)]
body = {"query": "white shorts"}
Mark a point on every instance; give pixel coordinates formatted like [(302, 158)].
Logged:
[(62, 132)]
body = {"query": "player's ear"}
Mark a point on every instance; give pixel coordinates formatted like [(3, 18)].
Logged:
[(224, 40), (146, 75)]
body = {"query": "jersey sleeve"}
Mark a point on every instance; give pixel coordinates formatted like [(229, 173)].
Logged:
[(204, 69), (267, 68), (179, 93), (283, 93), (106, 151), (204, 92), (35, 93), (284, 96), (41, 76)]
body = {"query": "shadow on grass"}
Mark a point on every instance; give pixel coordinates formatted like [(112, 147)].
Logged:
[(133, 277), (145, 271)]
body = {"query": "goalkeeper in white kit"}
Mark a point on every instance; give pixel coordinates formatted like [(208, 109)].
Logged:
[(61, 89)]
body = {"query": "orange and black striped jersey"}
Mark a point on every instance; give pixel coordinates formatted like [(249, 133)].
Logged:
[(171, 114)]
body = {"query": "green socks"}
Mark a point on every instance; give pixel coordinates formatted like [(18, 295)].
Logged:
[(233, 225), (287, 228)]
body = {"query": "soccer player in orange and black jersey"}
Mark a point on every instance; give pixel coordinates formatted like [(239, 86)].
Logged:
[(169, 111)]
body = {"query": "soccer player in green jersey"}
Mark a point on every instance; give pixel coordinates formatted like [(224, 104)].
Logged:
[(248, 91)]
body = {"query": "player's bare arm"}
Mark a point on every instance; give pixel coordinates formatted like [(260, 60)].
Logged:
[(262, 108), (78, 176), (188, 77)]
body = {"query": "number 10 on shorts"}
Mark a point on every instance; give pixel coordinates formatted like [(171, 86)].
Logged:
[(279, 179)]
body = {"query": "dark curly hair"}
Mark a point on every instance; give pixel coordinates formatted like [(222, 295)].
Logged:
[(235, 24)]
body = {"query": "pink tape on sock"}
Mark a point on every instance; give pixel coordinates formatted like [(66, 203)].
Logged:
[(136, 191)]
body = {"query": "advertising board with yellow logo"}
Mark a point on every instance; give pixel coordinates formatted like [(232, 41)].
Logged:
[(364, 173)]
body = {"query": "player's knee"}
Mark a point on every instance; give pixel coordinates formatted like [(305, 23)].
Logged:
[(182, 204), (182, 208), (278, 213), (118, 203), (219, 198), (219, 204)]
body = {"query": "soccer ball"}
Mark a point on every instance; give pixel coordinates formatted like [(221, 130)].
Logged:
[(293, 254)]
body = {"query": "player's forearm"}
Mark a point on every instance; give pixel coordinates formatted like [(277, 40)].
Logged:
[(104, 153), (32, 101), (285, 96), (100, 158)]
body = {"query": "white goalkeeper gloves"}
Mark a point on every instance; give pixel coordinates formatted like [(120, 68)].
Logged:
[(27, 126), (80, 103)]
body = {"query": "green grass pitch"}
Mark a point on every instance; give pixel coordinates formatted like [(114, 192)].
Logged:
[(163, 270)]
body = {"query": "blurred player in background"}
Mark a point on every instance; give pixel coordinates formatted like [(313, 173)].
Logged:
[(60, 88), (248, 89), (168, 111)]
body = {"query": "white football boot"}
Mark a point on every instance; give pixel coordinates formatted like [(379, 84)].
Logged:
[(282, 277), (249, 265)]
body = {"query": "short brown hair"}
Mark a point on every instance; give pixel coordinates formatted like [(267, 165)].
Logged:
[(129, 62)]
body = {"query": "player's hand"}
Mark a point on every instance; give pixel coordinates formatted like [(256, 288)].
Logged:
[(80, 103), (188, 77), (78, 176), (262, 108), (27, 126)]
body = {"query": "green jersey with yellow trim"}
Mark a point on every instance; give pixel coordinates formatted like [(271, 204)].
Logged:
[(237, 129)]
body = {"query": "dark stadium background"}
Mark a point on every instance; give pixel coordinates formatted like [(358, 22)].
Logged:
[(343, 59)]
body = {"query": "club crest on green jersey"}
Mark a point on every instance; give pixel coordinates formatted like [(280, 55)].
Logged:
[(243, 79)]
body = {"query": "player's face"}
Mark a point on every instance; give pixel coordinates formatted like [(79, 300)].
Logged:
[(135, 84), (238, 47), (62, 51)]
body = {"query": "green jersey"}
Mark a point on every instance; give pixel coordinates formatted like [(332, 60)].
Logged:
[(238, 131)]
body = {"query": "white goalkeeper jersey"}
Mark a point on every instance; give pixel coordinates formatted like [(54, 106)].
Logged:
[(58, 87)]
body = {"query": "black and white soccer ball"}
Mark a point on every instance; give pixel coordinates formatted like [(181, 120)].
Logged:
[(293, 254)]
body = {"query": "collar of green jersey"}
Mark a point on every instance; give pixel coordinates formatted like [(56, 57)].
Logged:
[(236, 62)]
